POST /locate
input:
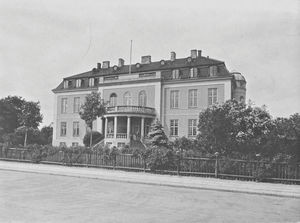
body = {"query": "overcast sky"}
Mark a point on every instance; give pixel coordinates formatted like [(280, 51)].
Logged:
[(43, 41)]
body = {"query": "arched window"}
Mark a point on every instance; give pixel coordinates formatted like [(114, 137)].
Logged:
[(113, 99), (127, 98), (142, 98)]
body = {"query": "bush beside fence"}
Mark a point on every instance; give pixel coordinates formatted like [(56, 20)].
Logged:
[(210, 167)]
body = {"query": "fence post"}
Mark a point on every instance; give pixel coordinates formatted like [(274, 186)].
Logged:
[(178, 162), (217, 165)]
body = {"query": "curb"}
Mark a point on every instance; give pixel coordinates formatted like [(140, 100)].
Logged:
[(137, 181)]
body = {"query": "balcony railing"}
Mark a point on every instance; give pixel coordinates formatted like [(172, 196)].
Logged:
[(110, 135), (130, 109), (121, 135)]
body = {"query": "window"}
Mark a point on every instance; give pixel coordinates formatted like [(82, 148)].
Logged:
[(121, 144), (75, 144), (127, 98), (78, 83), (212, 96), (76, 104), (66, 84), (62, 144), (91, 82), (174, 99), (174, 127), (142, 98), (192, 100), (213, 71), (75, 129), (192, 127), (175, 74), (113, 99), (64, 105), (193, 72), (63, 129)]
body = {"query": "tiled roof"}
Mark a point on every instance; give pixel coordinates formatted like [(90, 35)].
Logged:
[(178, 63)]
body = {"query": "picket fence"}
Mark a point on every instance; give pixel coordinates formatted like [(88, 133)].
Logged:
[(208, 167)]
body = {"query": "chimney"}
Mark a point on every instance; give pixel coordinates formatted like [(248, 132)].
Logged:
[(199, 53), (173, 56), (121, 62), (146, 59), (105, 64), (98, 66), (194, 54)]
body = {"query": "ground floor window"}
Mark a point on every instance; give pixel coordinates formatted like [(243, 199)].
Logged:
[(174, 127), (62, 144), (192, 127), (74, 144), (63, 129), (121, 144)]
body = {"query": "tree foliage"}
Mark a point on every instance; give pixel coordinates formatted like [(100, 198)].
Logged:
[(91, 110), (234, 127), (157, 136), (97, 137)]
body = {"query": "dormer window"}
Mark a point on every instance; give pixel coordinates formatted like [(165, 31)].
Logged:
[(66, 84), (189, 59), (115, 68), (193, 72), (162, 62), (91, 82), (213, 70), (175, 74), (78, 83), (138, 65)]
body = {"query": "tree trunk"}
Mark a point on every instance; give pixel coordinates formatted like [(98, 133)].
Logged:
[(25, 139), (91, 136)]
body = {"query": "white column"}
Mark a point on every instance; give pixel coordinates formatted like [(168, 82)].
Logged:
[(128, 127), (115, 127), (142, 127), (100, 125), (105, 127)]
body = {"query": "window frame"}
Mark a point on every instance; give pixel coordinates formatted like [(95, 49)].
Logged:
[(76, 128), (174, 99), (193, 72), (142, 98), (193, 98), (174, 127), (78, 83), (91, 82), (76, 105), (212, 96), (127, 98), (175, 74), (213, 71), (192, 127), (63, 129), (64, 105)]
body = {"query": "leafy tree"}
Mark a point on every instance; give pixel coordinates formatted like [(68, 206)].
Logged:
[(91, 110), (234, 127), (10, 111), (46, 135), (97, 137)]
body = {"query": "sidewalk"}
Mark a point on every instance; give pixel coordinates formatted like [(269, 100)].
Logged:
[(281, 190)]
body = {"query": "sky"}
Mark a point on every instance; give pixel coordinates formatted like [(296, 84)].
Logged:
[(42, 41)]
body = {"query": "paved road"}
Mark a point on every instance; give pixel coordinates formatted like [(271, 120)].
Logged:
[(31, 197)]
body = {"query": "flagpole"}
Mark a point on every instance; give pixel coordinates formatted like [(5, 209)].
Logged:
[(130, 56)]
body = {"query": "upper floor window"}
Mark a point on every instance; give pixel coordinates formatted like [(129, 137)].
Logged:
[(213, 71), (174, 99), (64, 105), (63, 129), (193, 72), (127, 98), (192, 100), (174, 127), (91, 82), (192, 127), (66, 84), (113, 99), (76, 104), (212, 96), (78, 83), (142, 98), (75, 129), (175, 74)]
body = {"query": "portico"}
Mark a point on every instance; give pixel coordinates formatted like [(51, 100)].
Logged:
[(124, 123)]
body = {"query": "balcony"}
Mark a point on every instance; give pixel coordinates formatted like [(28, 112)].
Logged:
[(130, 109)]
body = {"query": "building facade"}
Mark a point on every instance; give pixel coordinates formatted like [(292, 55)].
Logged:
[(173, 91)]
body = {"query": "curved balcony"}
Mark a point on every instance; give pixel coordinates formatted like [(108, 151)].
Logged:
[(125, 109)]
